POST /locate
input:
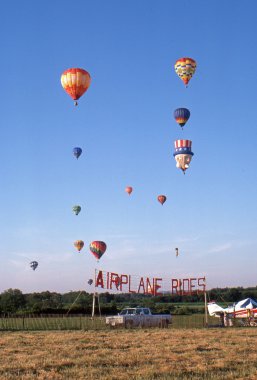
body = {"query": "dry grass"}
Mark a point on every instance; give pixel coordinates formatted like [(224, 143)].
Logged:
[(130, 354)]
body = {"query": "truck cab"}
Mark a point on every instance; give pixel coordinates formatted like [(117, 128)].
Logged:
[(135, 311)]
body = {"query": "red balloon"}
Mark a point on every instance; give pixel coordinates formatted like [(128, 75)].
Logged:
[(162, 199), (129, 190), (97, 248)]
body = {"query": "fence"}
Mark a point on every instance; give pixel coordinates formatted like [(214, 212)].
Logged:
[(82, 322)]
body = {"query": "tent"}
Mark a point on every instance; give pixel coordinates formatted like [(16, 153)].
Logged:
[(243, 309)]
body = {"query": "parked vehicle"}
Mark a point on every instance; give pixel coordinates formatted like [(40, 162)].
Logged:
[(138, 317)]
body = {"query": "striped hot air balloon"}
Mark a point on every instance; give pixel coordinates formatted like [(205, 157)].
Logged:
[(185, 68), (181, 116), (75, 82)]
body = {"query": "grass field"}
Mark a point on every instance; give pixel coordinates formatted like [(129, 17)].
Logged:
[(209, 354)]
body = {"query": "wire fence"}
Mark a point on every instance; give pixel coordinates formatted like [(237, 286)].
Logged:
[(82, 322)]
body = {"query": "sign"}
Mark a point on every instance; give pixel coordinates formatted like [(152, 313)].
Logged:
[(126, 283)]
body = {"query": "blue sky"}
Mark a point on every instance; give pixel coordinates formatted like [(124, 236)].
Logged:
[(125, 126)]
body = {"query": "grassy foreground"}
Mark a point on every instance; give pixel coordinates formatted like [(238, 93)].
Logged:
[(130, 354)]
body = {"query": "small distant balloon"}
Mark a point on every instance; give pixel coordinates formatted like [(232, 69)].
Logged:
[(176, 250), (77, 152), (79, 244), (129, 190), (76, 209), (162, 199), (34, 265), (90, 281), (97, 248)]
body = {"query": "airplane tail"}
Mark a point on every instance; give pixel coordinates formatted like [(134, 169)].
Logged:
[(214, 309)]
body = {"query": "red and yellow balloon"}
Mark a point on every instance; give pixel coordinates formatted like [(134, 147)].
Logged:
[(185, 68), (75, 82), (97, 248), (79, 244)]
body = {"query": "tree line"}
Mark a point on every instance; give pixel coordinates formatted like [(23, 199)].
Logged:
[(14, 302)]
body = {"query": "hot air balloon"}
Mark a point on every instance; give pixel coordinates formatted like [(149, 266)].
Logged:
[(185, 68), (162, 199), (129, 190), (75, 82), (176, 250), (33, 265), (97, 248), (181, 116), (77, 152), (90, 281), (183, 154), (76, 209), (79, 244)]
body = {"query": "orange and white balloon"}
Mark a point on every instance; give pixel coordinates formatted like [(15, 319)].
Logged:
[(75, 82)]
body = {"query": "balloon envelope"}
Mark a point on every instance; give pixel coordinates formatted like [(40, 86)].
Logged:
[(181, 116), (97, 248), (75, 82), (77, 152), (129, 190), (34, 264), (162, 199), (76, 209), (185, 68), (79, 244)]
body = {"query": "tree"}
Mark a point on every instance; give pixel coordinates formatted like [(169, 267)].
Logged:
[(12, 300)]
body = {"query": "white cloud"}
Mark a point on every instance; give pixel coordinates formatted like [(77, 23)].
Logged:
[(220, 248)]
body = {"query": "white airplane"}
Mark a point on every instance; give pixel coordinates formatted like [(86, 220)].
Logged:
[(246, 308)]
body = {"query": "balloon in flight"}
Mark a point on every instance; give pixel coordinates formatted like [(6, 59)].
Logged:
[(181, 116), (129, 190), (176, 250), (162, 199), (185, 68), (75, 82), (77, 152), (76, 209), (183, 154), (33, 265), (90, 281), (97, 248), (79, 244)]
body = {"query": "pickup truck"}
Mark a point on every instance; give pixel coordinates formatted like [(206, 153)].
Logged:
[(138, 317)]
